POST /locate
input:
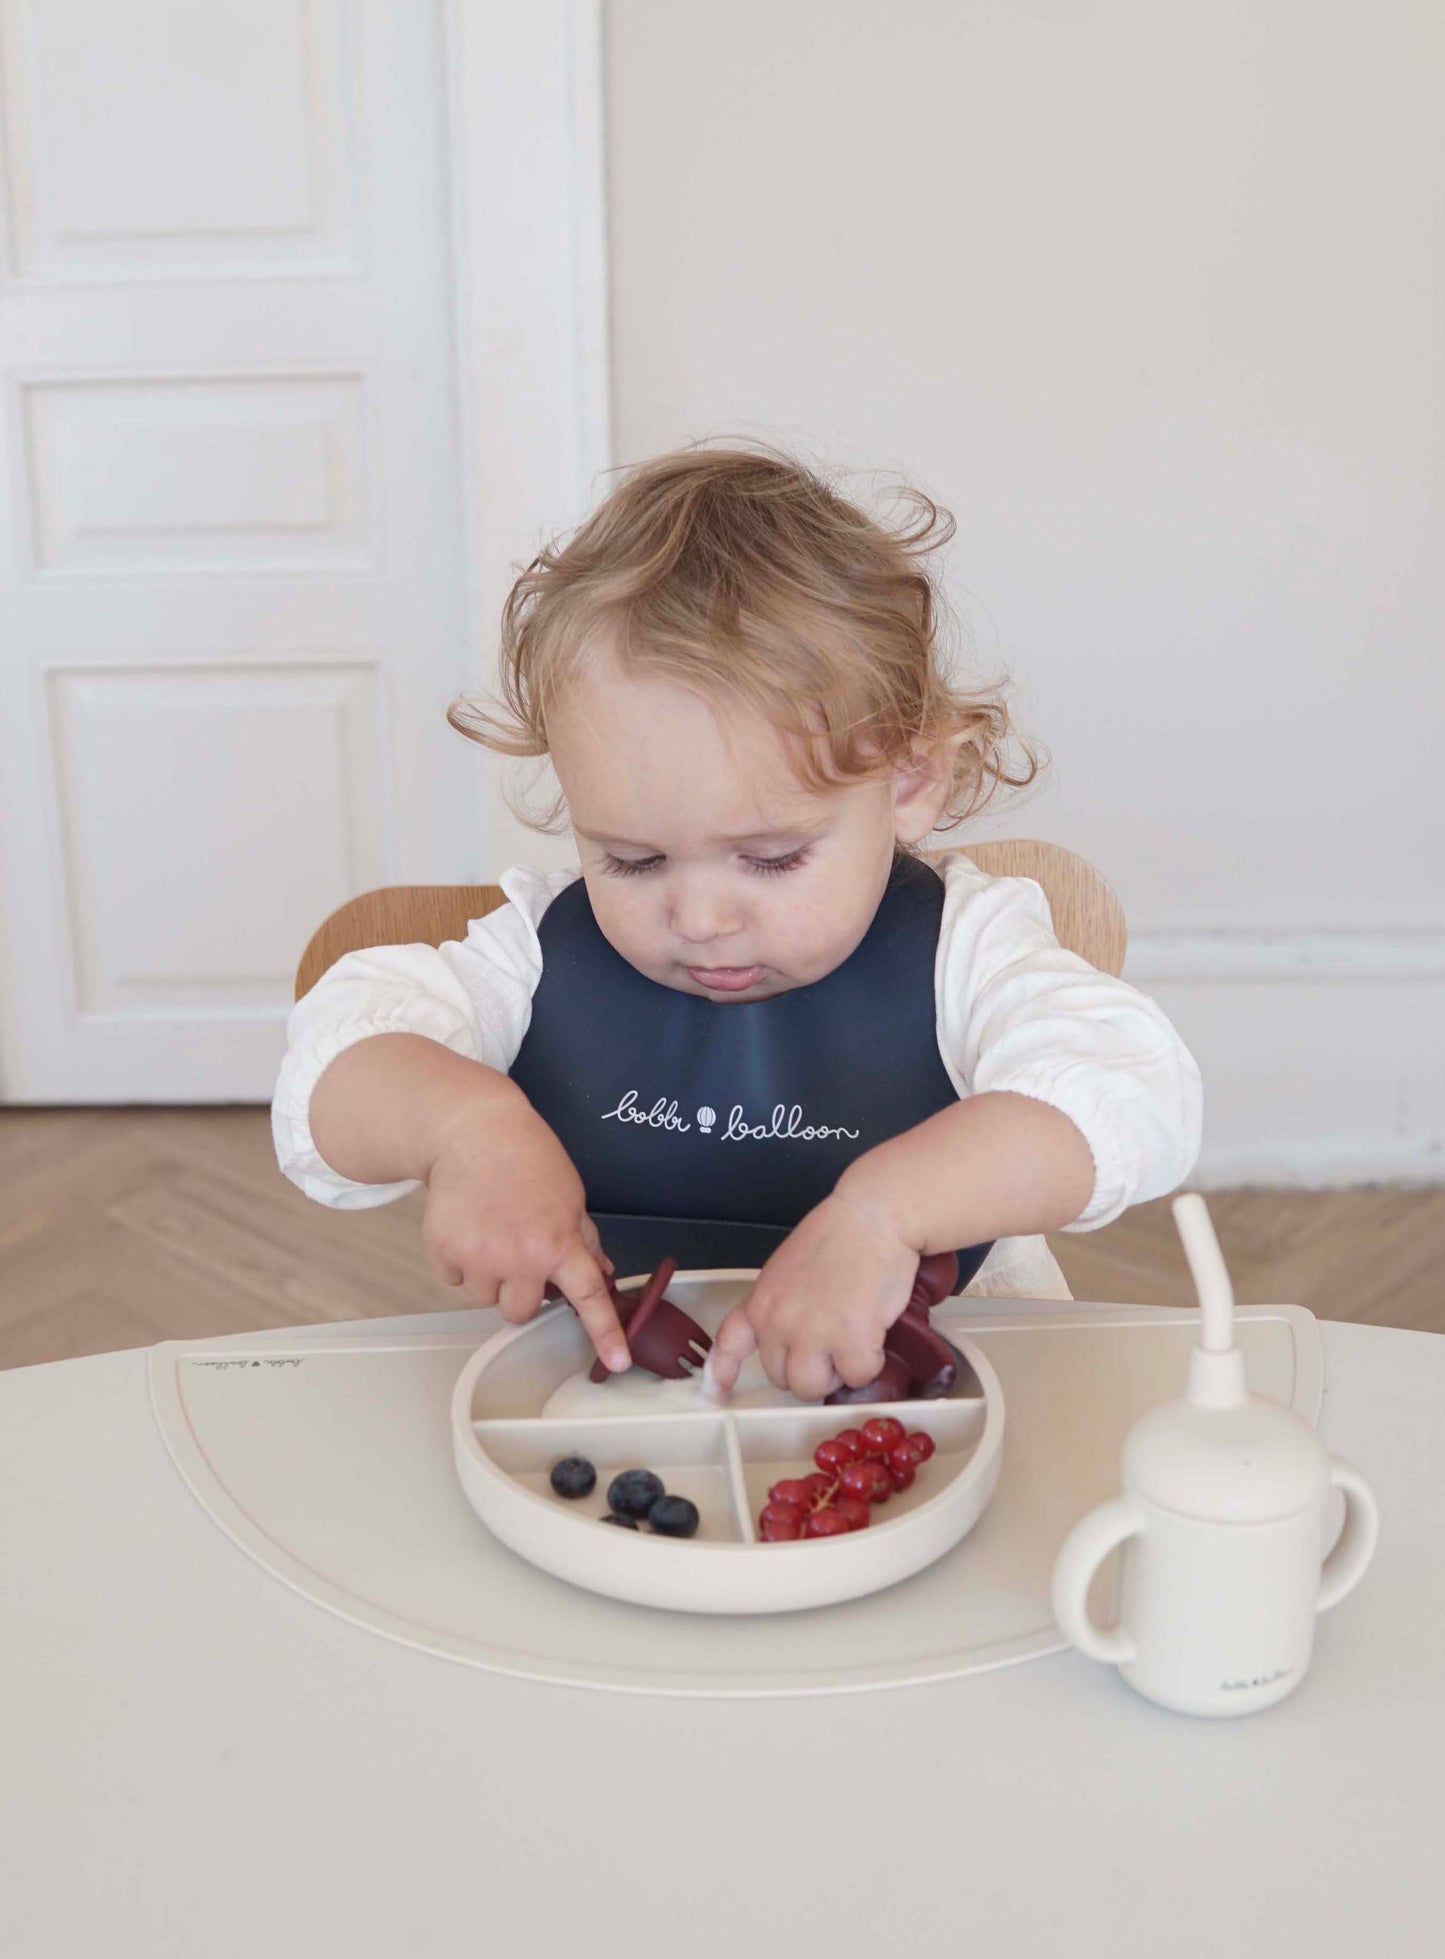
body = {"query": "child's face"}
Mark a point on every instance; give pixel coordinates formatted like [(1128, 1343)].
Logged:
[(710, 866)]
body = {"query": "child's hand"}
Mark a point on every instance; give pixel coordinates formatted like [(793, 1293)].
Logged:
[(506, 1213), (822, 1303)]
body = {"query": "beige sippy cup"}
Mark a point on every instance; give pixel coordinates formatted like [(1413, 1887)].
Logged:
[(1220, 1529)]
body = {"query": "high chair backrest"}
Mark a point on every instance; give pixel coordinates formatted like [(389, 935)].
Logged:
[(1088, 918)]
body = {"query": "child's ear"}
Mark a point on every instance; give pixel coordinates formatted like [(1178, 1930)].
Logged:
[(921, 788)]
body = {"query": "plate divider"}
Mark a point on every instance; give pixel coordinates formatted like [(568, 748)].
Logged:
[(737, 1478)]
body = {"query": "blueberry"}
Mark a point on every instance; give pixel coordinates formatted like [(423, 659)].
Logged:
[(574, 1476), (627, 1523), (673, 1516), (634, 1492)]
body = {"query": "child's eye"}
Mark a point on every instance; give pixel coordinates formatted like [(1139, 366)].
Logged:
[(770, 866), (614, 866), (628, 866)]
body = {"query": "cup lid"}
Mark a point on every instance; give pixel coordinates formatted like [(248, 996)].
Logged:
[(1251, 1463)]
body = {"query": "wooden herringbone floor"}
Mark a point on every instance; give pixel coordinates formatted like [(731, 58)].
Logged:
[(120, 1227)]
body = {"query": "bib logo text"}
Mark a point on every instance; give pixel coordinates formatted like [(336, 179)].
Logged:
[(784, 1125)]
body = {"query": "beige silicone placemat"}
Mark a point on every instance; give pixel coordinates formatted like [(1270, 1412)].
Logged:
[(327, 1456)]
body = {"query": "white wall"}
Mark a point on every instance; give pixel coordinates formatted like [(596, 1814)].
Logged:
[(1150, 295)]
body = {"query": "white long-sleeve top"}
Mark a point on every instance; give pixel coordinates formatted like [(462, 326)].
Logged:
[(1014, 1011)]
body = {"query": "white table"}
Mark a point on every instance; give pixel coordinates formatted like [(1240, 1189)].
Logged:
[(195, 1761)]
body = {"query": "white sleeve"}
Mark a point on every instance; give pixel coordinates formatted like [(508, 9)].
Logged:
[(473, 995), (1018, 1012)]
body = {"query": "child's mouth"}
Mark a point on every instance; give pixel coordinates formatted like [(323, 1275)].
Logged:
[(726, 979)]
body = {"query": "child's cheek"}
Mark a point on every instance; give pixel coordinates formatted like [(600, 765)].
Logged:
[(814, 930), (628, 920)]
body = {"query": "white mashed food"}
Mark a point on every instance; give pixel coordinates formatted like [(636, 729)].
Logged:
[(639, 1393)]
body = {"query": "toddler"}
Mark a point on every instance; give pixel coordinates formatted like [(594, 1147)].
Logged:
[(756, 1028)]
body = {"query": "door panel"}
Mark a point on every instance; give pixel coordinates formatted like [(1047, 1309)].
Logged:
[(231, 506), (225, 134)]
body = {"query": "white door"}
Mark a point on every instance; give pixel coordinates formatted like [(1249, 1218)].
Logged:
[(230, 522)]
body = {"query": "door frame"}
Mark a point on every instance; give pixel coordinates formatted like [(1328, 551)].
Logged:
[(525, 83)]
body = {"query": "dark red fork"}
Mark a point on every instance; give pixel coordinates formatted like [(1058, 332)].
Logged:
[(660, 1336)]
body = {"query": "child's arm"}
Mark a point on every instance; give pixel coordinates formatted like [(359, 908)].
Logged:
[(505, 1212), (995, 1166), (1077, 1099), (395, 1074)]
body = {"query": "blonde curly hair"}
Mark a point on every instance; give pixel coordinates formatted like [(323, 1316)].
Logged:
[(743, 575)]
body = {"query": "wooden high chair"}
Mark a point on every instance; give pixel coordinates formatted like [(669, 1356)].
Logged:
[(1088, 918)]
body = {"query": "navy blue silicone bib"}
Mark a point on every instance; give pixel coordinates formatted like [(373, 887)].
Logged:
[(708, 1130)]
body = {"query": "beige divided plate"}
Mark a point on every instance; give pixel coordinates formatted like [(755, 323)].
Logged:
[(725, 1459), (328, 1457)]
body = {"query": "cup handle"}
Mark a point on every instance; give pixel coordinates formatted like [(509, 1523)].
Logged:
[(1084, 1550), (1347, 1563)]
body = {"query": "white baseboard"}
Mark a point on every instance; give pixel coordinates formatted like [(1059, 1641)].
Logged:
[(1326, 1167), (1195, 957)]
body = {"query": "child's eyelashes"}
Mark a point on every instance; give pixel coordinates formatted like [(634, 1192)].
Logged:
[(764, 866), (771, 866), (628, 866)]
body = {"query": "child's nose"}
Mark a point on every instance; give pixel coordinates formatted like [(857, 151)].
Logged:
[(701, 916)]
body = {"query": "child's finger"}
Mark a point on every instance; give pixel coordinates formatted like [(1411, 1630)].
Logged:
[(774, 1355), (442, 1267), (735, 1341), (480, 1286), (594, 1244), (518, 1299), (584, 1286), (858, 1363), (810, 1375)]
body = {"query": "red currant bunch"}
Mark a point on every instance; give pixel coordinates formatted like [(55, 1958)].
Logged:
[(856, 1469)]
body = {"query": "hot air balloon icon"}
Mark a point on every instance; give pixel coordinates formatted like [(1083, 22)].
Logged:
[(705, 1119)]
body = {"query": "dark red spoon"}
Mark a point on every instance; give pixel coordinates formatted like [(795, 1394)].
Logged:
[(916, 1360)]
